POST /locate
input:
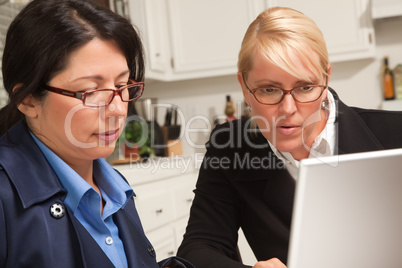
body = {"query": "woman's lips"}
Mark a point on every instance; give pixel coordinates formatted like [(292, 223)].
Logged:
[(287, 130), (108, 135)]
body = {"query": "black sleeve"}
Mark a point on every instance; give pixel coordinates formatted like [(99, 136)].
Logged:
[(212, 232), (175, 262)]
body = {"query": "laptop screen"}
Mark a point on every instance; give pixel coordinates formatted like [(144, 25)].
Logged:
[(348, 212)]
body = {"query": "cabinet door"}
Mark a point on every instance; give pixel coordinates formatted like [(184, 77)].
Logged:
[(187, 39), (155, 206), (183, 194), (207, 34), (346, 25), (150, 18)]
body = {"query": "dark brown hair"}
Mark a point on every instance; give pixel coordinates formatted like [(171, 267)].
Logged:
[(44, 34)]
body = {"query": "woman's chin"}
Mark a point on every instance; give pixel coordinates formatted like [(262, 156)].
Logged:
[(104, 152), (289, 147)]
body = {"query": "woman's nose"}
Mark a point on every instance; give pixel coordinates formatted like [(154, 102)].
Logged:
[(288, 104), (117, 107)]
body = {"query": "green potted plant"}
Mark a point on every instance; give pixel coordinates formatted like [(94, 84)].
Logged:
[(136, 138), (131, 136)]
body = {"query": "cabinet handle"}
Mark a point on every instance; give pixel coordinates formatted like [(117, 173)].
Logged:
[(159, 211), (170, 253), (189, 200)]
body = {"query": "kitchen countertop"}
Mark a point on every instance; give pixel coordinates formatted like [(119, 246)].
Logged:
[(157, 168)]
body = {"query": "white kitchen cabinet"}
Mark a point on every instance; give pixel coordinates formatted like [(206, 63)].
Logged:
[(386, 8), (346, 24), (187, 39), (154, 204), (164, 194)]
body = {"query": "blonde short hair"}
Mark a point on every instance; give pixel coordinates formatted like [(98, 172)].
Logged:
[(279, 34)]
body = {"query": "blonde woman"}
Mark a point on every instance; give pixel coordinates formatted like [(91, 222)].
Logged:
[(247, 178)]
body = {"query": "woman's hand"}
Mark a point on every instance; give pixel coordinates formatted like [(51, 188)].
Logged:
[(271, 263)]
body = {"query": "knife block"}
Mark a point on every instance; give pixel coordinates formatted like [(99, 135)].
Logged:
[(171, 135), (174, 148)]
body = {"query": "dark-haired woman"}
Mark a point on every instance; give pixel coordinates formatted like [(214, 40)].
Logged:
[(70, 68)]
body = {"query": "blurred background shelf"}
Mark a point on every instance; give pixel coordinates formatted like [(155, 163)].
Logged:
[(392, 105)]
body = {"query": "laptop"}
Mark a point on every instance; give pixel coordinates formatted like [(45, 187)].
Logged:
[(348, 212)]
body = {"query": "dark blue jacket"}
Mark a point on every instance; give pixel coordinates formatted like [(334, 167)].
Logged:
[(31, 237)]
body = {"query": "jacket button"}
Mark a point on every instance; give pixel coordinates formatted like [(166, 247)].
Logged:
[(151, 251), (57, 210), (109, 240)]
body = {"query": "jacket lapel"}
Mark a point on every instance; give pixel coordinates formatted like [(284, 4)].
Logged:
[(354, 135)]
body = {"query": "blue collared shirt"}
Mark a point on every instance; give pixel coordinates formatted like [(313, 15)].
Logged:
[(85, 202)]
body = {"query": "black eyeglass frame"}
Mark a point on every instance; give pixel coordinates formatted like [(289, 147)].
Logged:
[(252, 91), (82, 94)]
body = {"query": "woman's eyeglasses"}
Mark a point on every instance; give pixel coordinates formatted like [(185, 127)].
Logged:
[(103, 97), (274, 95)]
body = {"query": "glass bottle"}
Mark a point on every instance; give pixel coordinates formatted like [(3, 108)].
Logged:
[(229, 109), (388, 81)]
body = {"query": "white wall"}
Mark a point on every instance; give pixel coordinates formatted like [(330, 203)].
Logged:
[(7, 12), (357, 83)]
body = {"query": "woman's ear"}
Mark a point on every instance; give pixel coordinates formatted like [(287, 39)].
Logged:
[(243, 87), (29, 106)]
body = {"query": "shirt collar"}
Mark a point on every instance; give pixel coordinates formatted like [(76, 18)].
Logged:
[(115, 191), (324, 144)]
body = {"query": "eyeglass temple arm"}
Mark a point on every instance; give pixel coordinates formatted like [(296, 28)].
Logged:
[(77, 95)]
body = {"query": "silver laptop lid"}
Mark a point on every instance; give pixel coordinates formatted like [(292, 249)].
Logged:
[(348, 212)]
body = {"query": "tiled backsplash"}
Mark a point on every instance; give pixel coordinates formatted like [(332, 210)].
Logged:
[(7, 12)]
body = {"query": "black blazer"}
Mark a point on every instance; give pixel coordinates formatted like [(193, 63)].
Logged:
[(243, 184)]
